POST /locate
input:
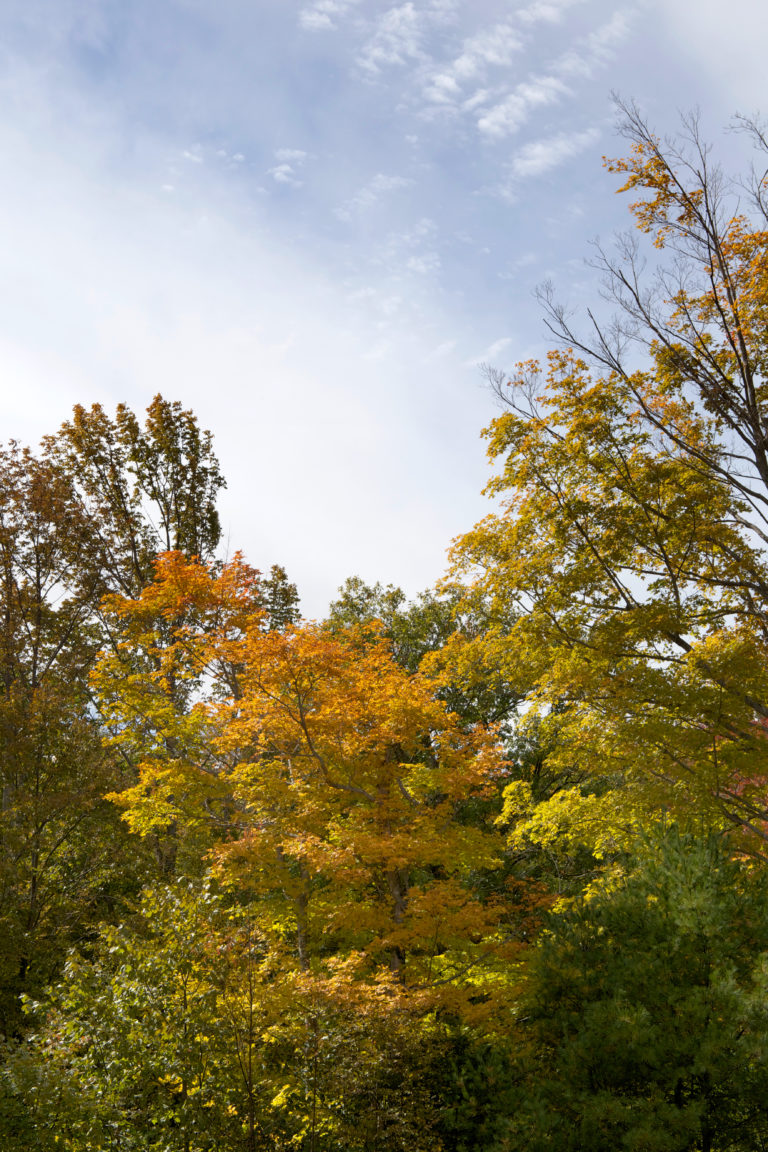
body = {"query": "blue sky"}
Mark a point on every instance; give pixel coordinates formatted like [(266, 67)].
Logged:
[(311, 220)]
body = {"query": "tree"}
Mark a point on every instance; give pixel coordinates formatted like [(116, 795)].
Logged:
[(143, 490), (328, 781), (177, 1032), (629, 551), (85, 516), (157, 1039), (643, 1011), (440, 634), (58, 838)]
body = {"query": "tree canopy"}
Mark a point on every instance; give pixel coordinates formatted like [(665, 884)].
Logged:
[(478, 871)]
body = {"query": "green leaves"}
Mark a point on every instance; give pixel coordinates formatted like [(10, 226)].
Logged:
[(645, 1006)]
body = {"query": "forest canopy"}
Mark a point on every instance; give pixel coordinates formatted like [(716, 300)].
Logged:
[(476, 872)]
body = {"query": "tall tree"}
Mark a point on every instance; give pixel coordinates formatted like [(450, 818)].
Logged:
[(441, 634), (85, 516), (630, 545), (144, 489), (56, 832)]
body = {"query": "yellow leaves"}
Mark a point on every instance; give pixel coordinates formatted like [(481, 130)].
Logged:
[(670, 206), (172, 1082), (619, 573), (283, 1098), (570, 820)]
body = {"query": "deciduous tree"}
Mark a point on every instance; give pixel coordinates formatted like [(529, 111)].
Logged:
[(629, 551), (329, 781)]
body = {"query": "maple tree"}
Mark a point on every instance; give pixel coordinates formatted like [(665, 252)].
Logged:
[(326, 779), (336, 798)]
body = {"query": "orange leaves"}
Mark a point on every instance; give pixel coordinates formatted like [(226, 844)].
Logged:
[(328, 776)]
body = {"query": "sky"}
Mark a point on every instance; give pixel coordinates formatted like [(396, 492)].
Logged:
[(311, 221)]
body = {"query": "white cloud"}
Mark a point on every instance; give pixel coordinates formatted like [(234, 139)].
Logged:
[(287, 155), (509, 114), (290, 160), (492, 48), (495, 47), (371, 194), (397, 39), (441, 351), (323, 14), (545, 11), (410, 254), (597, 49), (442, 88), (490, 353), (542, 156), (444, 11), (284, 174), (514, 110), (424, 265)]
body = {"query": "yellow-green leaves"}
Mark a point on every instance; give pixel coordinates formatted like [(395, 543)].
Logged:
[(634, 596)]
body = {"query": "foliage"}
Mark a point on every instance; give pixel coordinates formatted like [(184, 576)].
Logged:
[(84, 516), (644, 1011), (313, 925), (181, 1032), (57, 834), (443, 635), (326, 778), (629, 547), (143, 490), (158, 1037)]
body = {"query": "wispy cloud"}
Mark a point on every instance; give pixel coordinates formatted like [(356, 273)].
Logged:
[(412, 251), (542, 156), (291, 155), (509, 114), (489, 354), (371, 194), (289, 163), (545, 11), (492, 48), (324, 14), (597, 49), (397, 39), (445, 348)]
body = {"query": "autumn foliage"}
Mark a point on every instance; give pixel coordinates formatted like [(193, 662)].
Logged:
[(327, 781), (483, 871)]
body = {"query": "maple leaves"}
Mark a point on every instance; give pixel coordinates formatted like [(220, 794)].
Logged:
[(327, 780)]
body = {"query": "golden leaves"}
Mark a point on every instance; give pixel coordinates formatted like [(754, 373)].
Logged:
[(326, 775)]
